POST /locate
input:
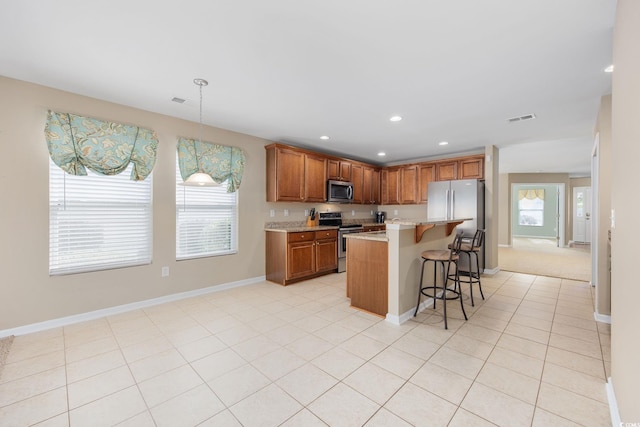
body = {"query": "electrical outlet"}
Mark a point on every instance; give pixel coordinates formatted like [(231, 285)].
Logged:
[(306, 212), (272, 213), (395, 211), (286, 212), (165, 271), (353, 212), (372, 212)]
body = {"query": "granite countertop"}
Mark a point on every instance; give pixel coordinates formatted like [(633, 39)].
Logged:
[(297, 226), (379, 236)]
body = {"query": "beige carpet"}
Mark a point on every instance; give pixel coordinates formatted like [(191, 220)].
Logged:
[(5, 346), (541, 257)]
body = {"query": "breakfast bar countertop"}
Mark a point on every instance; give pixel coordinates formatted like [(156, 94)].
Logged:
[(436, 221)]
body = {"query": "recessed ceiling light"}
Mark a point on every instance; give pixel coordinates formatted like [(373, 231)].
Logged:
[(443, 143), (325, 137), (395, 118), (382, 154), (609, 69)]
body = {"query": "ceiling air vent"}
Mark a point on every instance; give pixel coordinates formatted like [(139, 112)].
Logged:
[(521, 118), (178, 100)]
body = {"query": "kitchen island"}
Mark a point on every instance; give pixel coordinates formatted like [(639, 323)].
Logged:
[(383, 268)]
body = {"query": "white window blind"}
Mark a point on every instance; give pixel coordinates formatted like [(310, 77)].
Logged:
[(206, 220), (98, 222)]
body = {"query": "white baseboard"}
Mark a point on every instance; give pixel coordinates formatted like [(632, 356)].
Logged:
[(604, 318), (97, 314), (613, 404), (504, 246), (399, 320), (491, 271)]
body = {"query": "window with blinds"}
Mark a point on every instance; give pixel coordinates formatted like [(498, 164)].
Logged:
[(98, 222), (206, 220)]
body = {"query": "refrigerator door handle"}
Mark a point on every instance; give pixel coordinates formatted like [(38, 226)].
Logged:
[(446, 204), (453, 204)]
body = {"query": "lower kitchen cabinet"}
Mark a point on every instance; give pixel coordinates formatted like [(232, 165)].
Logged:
[(295, 256)]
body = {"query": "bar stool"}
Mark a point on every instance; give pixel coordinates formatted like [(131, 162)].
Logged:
[(472, 247), (442, 292)]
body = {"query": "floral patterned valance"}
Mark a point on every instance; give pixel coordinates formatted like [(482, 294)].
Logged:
[(221, 162), (77, 142), (531, 194)]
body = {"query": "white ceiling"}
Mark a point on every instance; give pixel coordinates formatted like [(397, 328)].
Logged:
[(293, 70)]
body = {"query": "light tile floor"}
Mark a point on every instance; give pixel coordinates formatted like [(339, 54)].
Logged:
[(265, 355)]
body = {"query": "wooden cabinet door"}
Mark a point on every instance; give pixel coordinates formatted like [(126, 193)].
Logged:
[(326, 254), (301, 259), (333, 169), (409, 185), (371, 186), (471, 168), (358, 183), (289, 175), (375, 187), (446, 171), (390, 181), (315, 178), (426, 174), (339, 170)]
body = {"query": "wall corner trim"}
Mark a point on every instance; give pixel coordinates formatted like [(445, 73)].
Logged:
[(91, 315), (613, 404), (604, 318), (399, 320)]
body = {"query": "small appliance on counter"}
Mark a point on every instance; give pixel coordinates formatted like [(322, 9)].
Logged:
[(380, 217)]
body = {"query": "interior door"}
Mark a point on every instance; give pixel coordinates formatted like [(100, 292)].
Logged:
[(582, 214)]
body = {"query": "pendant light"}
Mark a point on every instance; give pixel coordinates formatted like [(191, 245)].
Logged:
[(200, 178)]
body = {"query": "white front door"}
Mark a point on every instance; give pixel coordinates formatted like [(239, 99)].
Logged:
[(582, 214)]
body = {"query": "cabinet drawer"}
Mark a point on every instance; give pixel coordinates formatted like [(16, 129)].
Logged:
[(303, 236), (326, 234)]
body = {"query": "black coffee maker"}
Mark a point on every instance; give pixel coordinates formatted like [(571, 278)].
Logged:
[(380, 217)]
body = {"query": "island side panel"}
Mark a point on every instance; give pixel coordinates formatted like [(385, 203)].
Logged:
[(405, 263), (367, 272)]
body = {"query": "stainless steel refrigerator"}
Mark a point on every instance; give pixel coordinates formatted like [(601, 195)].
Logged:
[(458, 199)]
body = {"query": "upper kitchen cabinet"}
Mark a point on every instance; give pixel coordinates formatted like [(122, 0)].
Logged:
[(409, 185), (471, 168), (426, 174), (339, 170), (447, 170), (315, 178), (295, 176), (371, 186), (390, 186), (357, 178)]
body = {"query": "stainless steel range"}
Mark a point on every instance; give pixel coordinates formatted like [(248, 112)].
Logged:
[(335, 219)]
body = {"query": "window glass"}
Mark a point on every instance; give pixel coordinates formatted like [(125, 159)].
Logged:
[(531, 212), (206, 220), (98, 222)]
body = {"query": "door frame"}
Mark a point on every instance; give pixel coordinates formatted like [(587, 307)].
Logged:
[(561, 209)]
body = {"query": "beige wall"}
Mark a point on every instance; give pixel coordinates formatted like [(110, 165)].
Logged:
[(27, 293), (625, 291), (492, 207), (504, 210), (603, 281)]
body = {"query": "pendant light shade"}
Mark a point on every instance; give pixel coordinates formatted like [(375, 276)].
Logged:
[(200, 178)]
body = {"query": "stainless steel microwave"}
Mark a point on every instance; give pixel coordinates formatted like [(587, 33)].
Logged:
[(339, 191)]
